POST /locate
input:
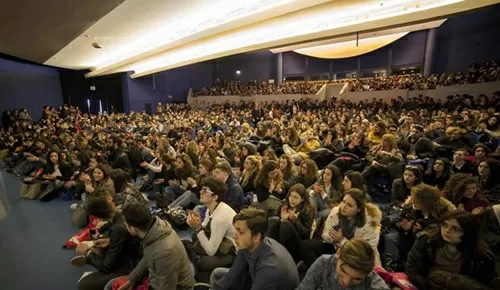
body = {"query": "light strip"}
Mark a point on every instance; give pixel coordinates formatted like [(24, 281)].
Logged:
[(322, 20), (350, 48), (212, 15)]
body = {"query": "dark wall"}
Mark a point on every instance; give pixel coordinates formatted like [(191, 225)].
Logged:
[(30, 86), (167, 86), (76, 90), (254, 66), (469, 38)]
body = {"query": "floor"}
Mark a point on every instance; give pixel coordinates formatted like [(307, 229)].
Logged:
[(31, 237)]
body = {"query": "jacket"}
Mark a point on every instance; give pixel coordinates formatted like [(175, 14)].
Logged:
[(423, 255), (423, 147), (323, 275), (370, 232), (269, 267), (234, 197), (399, 192), (304, 222), (164, 260), (308, 147), (123, 252), (103, 186)]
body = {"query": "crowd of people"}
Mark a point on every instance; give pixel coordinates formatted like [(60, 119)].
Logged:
[(489, 72), (236, 88), (297, 195)]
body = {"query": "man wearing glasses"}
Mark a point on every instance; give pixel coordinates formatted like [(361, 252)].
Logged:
[(350, 268), (214, 237)]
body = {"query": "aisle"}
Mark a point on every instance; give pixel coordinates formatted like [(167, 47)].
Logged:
[(31, 237)]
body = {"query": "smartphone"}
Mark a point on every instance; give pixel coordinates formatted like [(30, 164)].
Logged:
[(337, 228)]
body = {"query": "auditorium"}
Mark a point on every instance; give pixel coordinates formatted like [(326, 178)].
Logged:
[(250, 145)]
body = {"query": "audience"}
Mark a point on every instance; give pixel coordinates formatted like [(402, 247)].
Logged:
[(261, 262), (320, 171), (350, 268), (164, 262)]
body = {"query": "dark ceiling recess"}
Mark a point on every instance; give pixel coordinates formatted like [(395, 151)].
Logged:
[(36, 30)]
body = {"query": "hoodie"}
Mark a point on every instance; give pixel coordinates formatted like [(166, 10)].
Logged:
[(164, 260)]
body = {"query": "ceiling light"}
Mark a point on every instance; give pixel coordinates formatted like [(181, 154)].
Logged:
[(299, 25), (215, 14)]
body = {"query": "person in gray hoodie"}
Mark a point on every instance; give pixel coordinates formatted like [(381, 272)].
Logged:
[(165, 261), (351, 268)]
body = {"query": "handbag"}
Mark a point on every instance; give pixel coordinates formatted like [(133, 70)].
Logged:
[(226, 247), (30, 190)]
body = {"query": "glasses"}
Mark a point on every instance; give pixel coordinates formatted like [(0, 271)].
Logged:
[(453, 229), (206, 190), (411, 167)]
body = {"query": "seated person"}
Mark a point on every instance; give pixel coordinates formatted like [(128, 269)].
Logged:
[(295, 221), (192, 194), (307, 173), (261, 262), (465, 196), (251, 169), (439, 174), (401, 187), (382, 158), (353, 218), (453, 257), (350, 268), (327, 192), (214, 237), (164, 262), (461, 164), (416, 146), (120, 251), (268, 188), (489, 183), (234, 197)]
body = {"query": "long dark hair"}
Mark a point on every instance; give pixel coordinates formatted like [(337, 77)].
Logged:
[(306, 205), (51, 166), (336, 182), (360, 199), (357, 180), (471, 243)]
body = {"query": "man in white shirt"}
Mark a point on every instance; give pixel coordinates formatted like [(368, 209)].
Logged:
[(214, 237)]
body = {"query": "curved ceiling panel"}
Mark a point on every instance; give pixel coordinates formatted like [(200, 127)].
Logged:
[(350, 48)]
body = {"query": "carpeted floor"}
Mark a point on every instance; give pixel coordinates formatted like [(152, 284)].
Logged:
[(31, 237)]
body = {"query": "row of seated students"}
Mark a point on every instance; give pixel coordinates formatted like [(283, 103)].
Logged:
[(268, 198)]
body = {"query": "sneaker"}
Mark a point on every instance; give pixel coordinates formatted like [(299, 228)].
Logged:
[(202, 286), (73, 206), (79, 261)]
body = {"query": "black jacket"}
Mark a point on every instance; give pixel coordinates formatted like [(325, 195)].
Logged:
[(423, 147), (121, 160), (234, 197), (123, 252), (399, 192), (304, 222), (422, 257), (66, 171)]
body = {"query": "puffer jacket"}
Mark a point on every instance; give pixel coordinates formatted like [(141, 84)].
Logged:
[(370, 232)]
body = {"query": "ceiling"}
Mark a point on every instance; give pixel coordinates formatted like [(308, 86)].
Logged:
[(147, 36), (37, 30), (356, 44)]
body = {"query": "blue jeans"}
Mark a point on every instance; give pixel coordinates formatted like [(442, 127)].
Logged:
[(185, 200), (174, 192)]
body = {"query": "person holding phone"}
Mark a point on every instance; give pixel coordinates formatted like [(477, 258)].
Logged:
[(354, 217)]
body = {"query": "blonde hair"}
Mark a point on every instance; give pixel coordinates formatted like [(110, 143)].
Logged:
[(248, 173), (392, 139)]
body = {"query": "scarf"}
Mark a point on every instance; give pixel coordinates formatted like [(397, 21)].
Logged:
[(348, 227)]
